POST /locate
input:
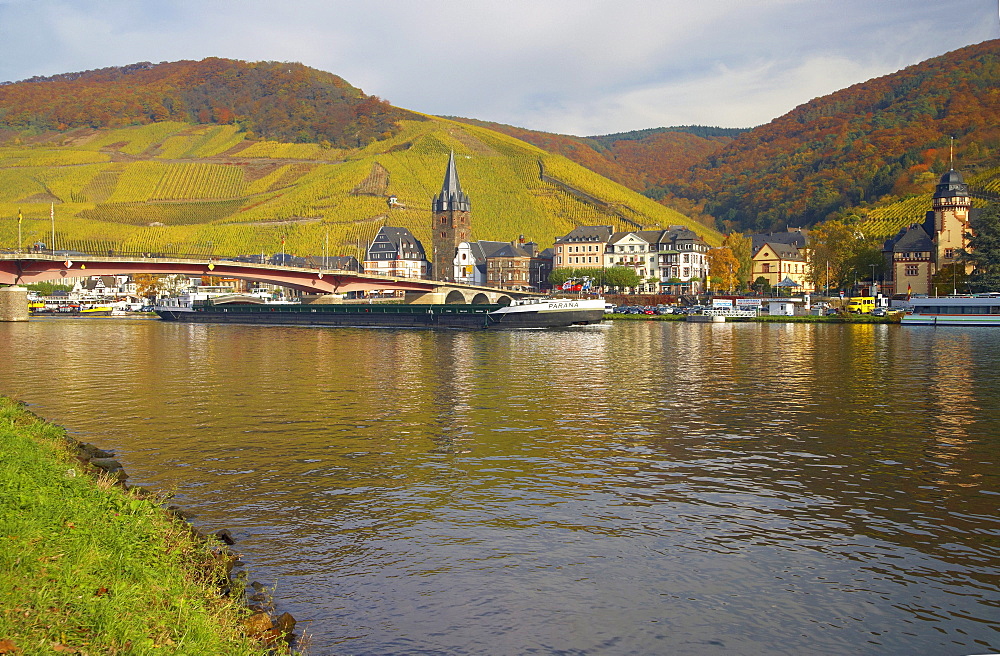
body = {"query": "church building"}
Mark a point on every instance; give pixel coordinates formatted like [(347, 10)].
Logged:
[(920, 250), (452, 223)]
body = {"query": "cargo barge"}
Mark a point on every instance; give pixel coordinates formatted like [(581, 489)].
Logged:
[(540, 313)]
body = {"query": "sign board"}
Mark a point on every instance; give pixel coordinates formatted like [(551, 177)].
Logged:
[(722, 302), (746, 303)]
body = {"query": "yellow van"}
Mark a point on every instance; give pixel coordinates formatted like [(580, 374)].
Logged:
[(861, 305)]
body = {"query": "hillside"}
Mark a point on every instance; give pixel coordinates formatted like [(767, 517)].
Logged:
[(206, 189), (643, 160), (868, 151), (273, 100), (873, 142)]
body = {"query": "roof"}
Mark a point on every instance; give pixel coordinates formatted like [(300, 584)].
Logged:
[(484, 249), (679, 233), (517, 250), (644, 235), (587, 233), (782, 251), (951, 185), (451, 196), (787, 282), (798, 238), (911, 239), (401, 238)]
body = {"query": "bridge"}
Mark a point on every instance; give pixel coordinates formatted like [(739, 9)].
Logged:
[(21, 268)]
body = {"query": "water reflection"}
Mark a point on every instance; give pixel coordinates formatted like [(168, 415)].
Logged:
[(631, 488)]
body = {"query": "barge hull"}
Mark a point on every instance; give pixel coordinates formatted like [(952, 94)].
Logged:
[(484, 317)]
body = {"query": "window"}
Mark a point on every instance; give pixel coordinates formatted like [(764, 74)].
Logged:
[(765, 268), (949, 253), (912, 269)]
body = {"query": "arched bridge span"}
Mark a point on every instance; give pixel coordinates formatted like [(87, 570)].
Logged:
[(27, 268)]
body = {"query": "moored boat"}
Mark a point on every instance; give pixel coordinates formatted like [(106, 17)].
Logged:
[(534, 313), (976, 310)]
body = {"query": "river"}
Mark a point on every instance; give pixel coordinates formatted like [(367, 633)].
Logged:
[(630, 488)]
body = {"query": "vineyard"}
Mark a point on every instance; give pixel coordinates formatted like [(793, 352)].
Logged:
[(884, 221), (182, 188)]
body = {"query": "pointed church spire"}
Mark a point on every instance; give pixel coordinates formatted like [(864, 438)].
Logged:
[(451, 196)]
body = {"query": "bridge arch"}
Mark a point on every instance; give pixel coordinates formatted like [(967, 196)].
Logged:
[(503, 299), (481, 299), (454, 297)]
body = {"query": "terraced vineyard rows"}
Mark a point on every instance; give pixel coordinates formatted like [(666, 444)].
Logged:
[(149, 189), (188, 181)]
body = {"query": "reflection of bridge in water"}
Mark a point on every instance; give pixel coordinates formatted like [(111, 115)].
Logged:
[(27, 268)]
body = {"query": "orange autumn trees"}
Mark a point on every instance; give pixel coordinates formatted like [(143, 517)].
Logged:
[(273, 100)]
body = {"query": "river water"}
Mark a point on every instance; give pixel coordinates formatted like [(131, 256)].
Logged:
[(630, 488)]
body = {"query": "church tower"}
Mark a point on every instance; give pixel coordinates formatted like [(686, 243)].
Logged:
[(952, 203), (452, 223)]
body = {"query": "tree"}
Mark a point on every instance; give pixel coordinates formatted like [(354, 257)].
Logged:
[(146, 285), (983, 251), (45, 288), (724, 267), (741, 246), (621, 277), (839, 254), (762, 285), (949, 278)]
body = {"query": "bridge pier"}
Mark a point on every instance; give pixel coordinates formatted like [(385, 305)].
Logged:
[(13, 303), (429, 298)]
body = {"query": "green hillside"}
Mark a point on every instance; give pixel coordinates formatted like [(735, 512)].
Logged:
[(205, 189)]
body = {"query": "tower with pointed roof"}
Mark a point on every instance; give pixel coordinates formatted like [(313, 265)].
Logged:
[(952, 203), (921, 250), (452, 223)]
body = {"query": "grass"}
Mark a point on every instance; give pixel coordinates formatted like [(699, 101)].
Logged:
[(87, 567)]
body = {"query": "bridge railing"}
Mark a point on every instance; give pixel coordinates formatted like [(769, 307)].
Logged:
[(278, 259)]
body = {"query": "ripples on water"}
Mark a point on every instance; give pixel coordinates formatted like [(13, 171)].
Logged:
[(634, 488)]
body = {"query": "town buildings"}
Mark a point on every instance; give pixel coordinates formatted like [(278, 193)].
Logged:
[(471, 258), (782, 259), (669, 261), (921, 250), (519, 266), (396, 252)]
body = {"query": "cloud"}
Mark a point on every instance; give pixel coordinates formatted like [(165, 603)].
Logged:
[(573, 66)]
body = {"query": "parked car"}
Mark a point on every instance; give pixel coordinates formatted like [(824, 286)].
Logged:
[(880, 312)]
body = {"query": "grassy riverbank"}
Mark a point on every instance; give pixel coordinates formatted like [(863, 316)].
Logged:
[(87, 567)]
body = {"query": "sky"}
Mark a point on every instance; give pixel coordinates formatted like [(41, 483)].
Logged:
[(582, 67)]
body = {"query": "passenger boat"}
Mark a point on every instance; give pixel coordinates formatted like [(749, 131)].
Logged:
[(977, 310), (534, 313)]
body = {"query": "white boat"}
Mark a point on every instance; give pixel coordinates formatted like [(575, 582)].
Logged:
[(975, 310)]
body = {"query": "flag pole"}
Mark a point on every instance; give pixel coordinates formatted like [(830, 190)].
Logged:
[(20, 217), (52, 215)]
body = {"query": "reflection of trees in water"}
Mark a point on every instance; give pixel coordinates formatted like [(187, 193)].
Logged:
[(955, 409)]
